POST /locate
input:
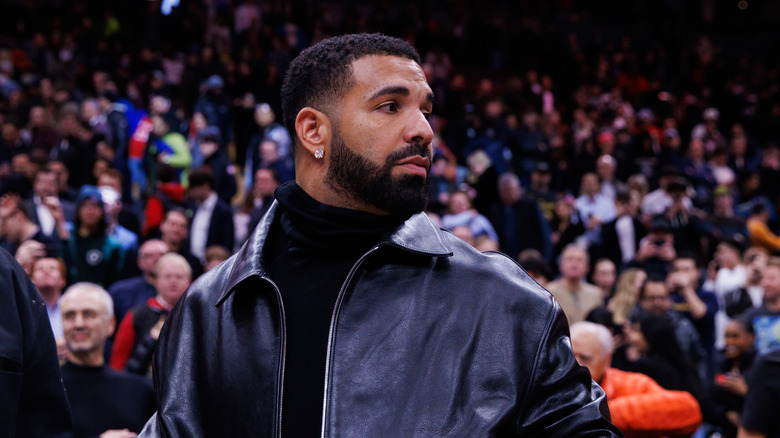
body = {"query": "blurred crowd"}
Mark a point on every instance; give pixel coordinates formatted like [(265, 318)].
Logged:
[(633, 170)]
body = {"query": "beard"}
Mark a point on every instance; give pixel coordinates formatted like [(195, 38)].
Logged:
[(360, 179)]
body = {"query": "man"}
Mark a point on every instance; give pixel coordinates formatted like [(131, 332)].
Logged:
[(639, 406), (726, 274), (216, 159), (346, 312), (44, 186), (576, 297), (212, 219), (766, 319), (266, 182), (104, 402), (697, 304), (140, 328), (48, 275), (620, 237), (604, 276), (654, 297), (268, 130), (134, 291), (32, 400), (594, 208), (174, 230), (518, 221), (20, 236)]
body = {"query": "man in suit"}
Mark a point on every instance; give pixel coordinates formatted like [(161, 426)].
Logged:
[(45, 185), (212, 220), (620, 237)]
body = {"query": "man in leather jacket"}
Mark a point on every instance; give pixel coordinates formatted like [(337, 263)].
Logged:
[(348, 313)]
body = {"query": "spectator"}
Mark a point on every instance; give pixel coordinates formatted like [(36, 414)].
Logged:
[(212, 219), (603, 277), (656, 249), (215, 159), (174, 231), (540, 190), (89, 252), (268, 129), (575, 296), (138, 332), (655, 299), (566, 226), (620, 238), (728, 275), (518, 221), (132, 292), (696, 304), (723, 223), (593, 207), (766, 319), (20, 236), (45, 186), (626, 295), (126, 215), (104, 401), (639, 407), (728, 389), (256, 204), (214, 256), (760, 233), (462, 214), (750, 295), (48, 275)]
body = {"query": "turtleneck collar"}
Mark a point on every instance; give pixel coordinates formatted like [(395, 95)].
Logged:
[(311, 224)]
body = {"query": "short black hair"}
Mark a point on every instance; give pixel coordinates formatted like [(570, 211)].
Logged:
[(201, 176), (322, 73)]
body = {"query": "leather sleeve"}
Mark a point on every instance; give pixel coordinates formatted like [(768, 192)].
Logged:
[(562, 400)]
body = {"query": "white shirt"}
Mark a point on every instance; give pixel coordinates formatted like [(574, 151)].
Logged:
[(44, 216), (624, 227), (726, 280), (200, 226), (55, 318)]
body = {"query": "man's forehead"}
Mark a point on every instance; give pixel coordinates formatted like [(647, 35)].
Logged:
[(374, 73)]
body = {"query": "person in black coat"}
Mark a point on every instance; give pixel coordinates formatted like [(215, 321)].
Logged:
[(625, 231), (212, 218), (32, 398)]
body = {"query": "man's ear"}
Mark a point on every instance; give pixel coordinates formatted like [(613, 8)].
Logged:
[(313, 129)]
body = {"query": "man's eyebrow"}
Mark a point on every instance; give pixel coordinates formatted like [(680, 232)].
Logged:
[(397, 89)]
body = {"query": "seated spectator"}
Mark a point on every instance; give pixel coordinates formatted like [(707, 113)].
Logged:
[(760, 233), (728, 389), (593, 207), (168, 195), (619, 240), (639, 407), (216, 159), (575, 296), (134, 291), (536, 265), (684, 222), (759, 418), (266, 182), (751, 294), (566, 226), (269, 129), (212, 218), (20, 236), (518, 221), (45, 186), (127, 215), (483, 179), (461, 214), (766, 319), (104, 402), (138, 332), (656, 249), (655, 298), (722, 223), (89, 252), (726, 275), (174, 231), (603, 277), (691, 299), (653, 350), (214, 256), (626, 295), (48, 275)]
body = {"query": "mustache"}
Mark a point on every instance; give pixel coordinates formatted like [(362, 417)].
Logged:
[(411, 150)]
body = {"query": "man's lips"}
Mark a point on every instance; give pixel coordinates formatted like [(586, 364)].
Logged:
[(417, 164)]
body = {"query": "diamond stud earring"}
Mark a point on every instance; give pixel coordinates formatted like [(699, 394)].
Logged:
[(319, 153)]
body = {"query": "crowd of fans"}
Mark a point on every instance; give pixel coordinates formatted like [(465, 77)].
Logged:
[(634, 171)]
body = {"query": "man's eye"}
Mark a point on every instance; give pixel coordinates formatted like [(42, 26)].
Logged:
[(390, 107)]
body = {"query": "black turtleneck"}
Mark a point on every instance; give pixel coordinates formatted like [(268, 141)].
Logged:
[(309, 254)]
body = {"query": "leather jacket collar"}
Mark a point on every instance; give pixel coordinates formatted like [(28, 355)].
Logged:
[(418, 235)]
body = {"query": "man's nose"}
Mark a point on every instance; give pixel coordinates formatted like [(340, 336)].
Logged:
[(419, 130)]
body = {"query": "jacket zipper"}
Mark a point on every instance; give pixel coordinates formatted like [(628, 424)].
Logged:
[(282, 355), (331, 330)]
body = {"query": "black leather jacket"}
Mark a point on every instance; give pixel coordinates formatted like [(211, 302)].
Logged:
[(429, 338)]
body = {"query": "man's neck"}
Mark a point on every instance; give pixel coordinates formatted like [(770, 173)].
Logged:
[(572, 283), (92, 358), (773, 305), (86, 230), (174, 246)]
